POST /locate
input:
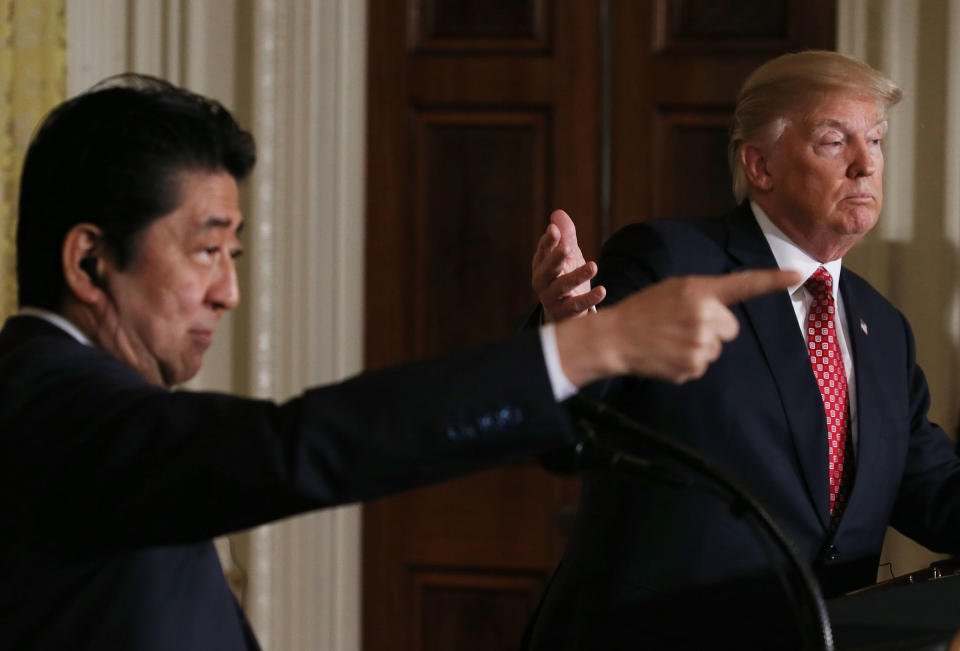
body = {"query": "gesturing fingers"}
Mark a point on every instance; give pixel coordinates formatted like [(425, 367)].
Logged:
[(671, 330), (568, 283), (560, 276), (547, 243), (573, 305), (707, 325), (550, 267), (681, 324), (714, 293), (744, 285), (557, 250), (707, 297)]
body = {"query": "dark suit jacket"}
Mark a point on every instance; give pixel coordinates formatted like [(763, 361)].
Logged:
[(110, 489), (641, 554)]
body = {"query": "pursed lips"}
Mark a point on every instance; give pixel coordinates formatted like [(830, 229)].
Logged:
[(202, 335)]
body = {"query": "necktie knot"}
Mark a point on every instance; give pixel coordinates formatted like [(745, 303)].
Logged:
[(819, 282)]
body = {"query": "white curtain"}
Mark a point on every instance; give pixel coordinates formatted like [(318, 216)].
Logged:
[(293, 71)]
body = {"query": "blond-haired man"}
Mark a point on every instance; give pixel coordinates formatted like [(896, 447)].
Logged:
[(819, 407)]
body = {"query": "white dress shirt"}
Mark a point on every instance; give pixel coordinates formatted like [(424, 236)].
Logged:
[(790, 256), (57, 320), (562, 387)]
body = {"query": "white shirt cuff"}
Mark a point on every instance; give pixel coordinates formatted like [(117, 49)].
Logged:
[(562, 387)]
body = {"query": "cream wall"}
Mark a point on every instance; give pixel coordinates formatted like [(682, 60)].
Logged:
[(912, 255), (293, 71)]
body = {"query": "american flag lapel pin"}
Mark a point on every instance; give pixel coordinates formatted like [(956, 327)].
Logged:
[(863, 326)]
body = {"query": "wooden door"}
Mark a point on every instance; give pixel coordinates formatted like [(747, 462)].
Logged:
[(483, 116), (676, 67)]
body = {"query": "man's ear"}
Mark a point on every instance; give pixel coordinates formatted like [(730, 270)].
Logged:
[(83, 263), (754, 161)]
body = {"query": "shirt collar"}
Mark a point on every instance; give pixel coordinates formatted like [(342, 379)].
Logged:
[(791, 256), (56, 319)]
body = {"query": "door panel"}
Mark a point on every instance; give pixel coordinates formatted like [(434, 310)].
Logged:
[(481, 179), (676, 68)]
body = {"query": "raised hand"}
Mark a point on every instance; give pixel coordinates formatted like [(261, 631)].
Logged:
[(560, 276)]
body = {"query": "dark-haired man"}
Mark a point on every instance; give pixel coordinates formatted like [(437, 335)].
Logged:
[(819, 406), (111, 486)]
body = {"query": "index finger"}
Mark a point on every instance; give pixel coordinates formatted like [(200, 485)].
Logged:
[(744, 285)]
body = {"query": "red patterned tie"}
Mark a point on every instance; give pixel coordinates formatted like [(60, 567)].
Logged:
[(827, 363)]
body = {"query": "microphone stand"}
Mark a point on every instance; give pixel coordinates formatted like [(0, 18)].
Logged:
[(811, 605)]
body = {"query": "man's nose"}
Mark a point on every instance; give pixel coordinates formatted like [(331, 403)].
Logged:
[(224, 292), (864, 162)]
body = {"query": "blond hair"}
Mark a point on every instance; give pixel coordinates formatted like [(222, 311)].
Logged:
[(780, 87)]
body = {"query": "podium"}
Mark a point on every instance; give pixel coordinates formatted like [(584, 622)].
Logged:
[(918, 613)]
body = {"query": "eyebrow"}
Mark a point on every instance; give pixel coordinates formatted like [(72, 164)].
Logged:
[(215, 221), (838, 124)]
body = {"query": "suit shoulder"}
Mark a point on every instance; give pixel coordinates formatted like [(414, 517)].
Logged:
[(36, 360), (672, 229), (866, 295), (675, 245), (45, 346)]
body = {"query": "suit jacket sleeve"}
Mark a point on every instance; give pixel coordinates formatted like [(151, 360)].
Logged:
[(928, 503), (91, 449)]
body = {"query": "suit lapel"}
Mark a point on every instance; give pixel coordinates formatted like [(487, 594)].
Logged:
[(774, 324), (869, 420)]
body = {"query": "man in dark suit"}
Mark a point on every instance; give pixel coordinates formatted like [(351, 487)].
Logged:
[(111, 485), (818, 407)]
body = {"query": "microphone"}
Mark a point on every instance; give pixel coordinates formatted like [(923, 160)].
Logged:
[(586, 453), (593, 452)]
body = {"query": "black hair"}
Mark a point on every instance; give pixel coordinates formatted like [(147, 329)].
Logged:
[(112, 157)]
